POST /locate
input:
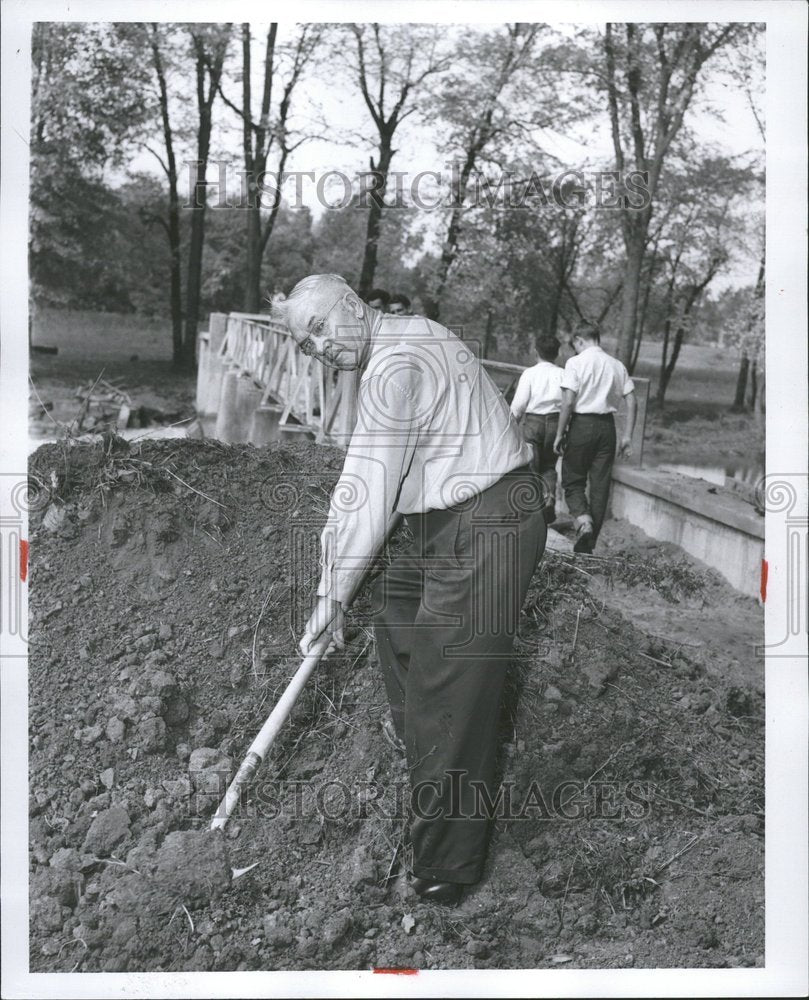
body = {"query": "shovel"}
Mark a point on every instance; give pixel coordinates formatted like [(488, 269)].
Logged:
[(268, 732)]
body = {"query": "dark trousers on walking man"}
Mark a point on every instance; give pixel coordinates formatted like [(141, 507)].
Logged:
[(540, 432), (587, 466)]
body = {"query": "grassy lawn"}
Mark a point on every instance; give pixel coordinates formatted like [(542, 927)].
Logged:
[(135, 351), (93, 336), (696, 425)]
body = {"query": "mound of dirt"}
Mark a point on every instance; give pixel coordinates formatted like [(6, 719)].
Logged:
[(169, 584)]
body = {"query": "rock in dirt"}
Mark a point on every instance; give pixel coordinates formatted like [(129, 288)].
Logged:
[(210, 770), (337, 927), (160, 683), (91, 734), (54, 518), (478, 949), (107, 777), (115, 729), (278, 937), (194, 865), (151, 735), (363, 868), (176, 710), (107, 829), (125, 707), (179, 789), (599, 670), (67, 858), (57, 884), (46, 914)]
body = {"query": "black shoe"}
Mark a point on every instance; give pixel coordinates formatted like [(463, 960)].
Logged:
[(447, 893)]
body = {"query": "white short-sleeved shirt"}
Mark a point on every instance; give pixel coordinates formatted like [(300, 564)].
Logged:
[(539, 390), (599, 380)]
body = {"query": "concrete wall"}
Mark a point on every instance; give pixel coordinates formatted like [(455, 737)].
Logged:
[(709, 522)]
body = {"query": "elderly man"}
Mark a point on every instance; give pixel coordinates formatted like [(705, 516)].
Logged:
[(434, 441)]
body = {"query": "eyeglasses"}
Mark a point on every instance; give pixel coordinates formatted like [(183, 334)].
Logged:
[(307, 346)]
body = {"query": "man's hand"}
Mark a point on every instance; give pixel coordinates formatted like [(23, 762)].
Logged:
[(625, 448), (559, 445), (328, 617)]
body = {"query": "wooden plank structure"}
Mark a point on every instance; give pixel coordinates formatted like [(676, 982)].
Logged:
[(258, 351), (253, 380)]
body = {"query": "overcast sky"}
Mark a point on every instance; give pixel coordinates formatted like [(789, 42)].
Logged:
[(330, 97)]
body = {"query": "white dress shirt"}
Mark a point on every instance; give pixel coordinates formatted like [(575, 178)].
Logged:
[(432, 430), (539, 390), (599, 380)]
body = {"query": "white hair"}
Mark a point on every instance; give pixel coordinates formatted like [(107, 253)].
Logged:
[(314, 286)]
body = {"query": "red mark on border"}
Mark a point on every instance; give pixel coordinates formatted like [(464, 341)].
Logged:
[(397, 972), (765, 569), (23, 560)]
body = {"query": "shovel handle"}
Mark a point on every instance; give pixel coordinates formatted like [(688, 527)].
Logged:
[(268, 732)]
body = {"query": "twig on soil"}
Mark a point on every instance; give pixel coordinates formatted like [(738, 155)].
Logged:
[(146, 433), (576, 633), (683, 805), (189, 487), (598, 770), (674, 857), (112, 861), (78, 960), (675, 642), (567, 889), (258, 623), (739, 876), (654, 659)]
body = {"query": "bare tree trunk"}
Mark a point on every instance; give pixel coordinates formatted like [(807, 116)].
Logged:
[(761, 400), (450, 249), (380, 178), (741, 385), (753, 387), (207, 65), (692, 297), (630, 296), (175, 265), (488, 339)]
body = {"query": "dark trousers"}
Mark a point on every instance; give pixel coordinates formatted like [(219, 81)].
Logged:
[(588, 459), (445, 617), (540, 432)]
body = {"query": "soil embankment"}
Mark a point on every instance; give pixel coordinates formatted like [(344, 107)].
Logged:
[(169, 584)]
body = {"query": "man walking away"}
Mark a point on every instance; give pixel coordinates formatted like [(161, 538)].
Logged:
[(593, 384), (537, 401)]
